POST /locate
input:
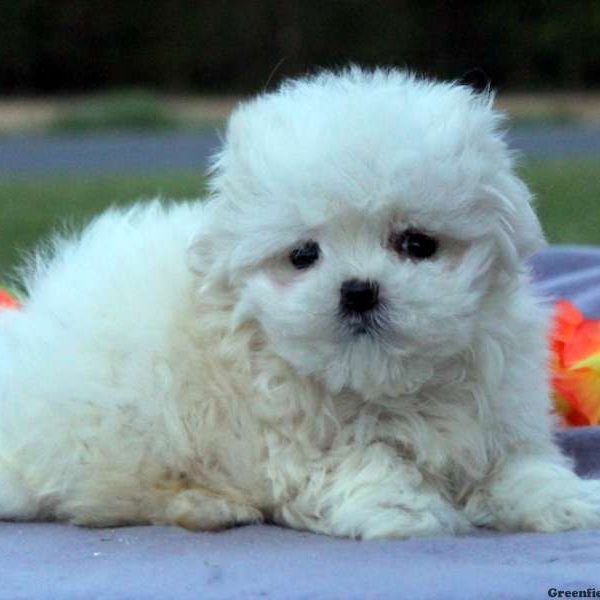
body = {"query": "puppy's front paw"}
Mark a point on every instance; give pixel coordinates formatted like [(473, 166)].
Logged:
[(404, 522), (412, 515), (537, 497), (577, 508), (195, 510), (549, 510)]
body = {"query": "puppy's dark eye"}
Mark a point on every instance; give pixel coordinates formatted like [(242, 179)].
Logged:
[(414, 244), (304, 256)]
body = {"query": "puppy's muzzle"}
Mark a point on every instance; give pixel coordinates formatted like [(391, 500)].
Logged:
[(358, 296)]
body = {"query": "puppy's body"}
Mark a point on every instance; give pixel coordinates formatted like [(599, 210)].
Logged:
[(171, 366)]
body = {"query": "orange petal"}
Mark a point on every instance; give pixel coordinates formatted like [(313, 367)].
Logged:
[(8, 301), (566, 320), (584, 344), (577, 396)]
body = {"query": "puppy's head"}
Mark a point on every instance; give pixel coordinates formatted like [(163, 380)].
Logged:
[(363, 220)]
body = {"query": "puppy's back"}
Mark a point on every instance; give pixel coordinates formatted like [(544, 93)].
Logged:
[(101, 308)]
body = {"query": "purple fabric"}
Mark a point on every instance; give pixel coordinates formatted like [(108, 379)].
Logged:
[(571, 272), (55, 561)]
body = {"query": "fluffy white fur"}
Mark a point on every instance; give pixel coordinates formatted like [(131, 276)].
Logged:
[(171, 366)]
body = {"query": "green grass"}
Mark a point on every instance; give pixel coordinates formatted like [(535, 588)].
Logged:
[(568, 198), (131, 110), (543, 119), (568, 193), (30, 209)]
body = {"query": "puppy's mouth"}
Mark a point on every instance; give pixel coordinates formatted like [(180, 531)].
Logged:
[(372, 323)]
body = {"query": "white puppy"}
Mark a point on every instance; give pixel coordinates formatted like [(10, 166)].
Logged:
[(342, 339)]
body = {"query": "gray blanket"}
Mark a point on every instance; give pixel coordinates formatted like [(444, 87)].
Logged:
[(54, 561)]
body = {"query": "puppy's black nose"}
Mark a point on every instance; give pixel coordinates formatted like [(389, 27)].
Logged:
[(359, 296)]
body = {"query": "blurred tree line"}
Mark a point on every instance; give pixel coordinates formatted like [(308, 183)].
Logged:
[(185, 45)]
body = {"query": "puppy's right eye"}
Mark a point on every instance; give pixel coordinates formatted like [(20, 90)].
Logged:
[(306, 255), (414, 244)]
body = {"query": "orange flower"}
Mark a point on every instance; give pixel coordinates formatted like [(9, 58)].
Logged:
[(7, 300), (575, 345)]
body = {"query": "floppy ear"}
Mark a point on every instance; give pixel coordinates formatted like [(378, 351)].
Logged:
[(232, 239), (209, 249), (518, 231)]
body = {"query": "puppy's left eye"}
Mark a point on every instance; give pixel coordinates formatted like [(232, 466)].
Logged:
[(414, 244), (306, 255)]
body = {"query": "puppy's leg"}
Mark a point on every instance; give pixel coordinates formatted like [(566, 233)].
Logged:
[(535, 493), (194, 509), (530, 485), (371, 493), (186, 505), (16, 501)]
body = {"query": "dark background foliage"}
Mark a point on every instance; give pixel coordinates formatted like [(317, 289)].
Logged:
[(185, 45)]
